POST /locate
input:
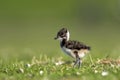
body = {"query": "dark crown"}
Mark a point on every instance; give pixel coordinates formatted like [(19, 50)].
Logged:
[(62, 33)]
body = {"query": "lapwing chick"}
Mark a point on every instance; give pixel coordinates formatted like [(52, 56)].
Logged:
[(73, 48)]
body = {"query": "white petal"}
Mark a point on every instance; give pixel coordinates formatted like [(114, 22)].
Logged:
[(104, 73), (41, 72)]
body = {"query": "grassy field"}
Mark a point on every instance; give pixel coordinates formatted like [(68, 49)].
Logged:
[(33, 54), (45, 68)]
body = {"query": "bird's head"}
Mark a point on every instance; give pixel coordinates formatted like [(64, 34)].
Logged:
[(62, 34)]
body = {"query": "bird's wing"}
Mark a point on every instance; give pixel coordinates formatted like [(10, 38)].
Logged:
[(72, 44)]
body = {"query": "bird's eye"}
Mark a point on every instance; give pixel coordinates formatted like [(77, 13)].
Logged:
[(61, 33)]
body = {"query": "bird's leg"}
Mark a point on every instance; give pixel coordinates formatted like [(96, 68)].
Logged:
[(78, 60), (75, 62)]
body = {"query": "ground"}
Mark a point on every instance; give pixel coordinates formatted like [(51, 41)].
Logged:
[(45, 68)]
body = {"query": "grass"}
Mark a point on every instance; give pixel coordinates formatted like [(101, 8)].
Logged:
[(45, 68)]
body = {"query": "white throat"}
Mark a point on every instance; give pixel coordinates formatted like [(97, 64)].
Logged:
[(68, 35)]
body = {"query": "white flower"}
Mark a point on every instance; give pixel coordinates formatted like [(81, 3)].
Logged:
[(96, 71), (56, 63), (59, 63), (28, 65), (41, 72), (104, 73), (77, 73)]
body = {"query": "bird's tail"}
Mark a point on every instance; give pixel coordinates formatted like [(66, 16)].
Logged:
[(88, 48)]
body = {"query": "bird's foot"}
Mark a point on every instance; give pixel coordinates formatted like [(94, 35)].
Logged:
[(77, 62)]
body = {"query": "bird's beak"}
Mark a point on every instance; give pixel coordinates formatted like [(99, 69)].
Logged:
[(55, 38)]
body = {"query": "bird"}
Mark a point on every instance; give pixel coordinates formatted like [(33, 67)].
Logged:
[(73, 48)]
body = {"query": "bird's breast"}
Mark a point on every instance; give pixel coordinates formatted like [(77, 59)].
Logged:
[(68, 51)]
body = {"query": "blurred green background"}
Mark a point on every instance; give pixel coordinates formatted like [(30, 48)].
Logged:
[(28, 28)]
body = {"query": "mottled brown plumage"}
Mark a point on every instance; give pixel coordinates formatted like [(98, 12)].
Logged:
[(72, 44)]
